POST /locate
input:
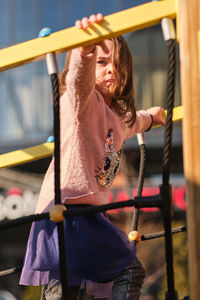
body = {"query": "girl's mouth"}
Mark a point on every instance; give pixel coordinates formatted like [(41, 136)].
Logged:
[(110, 81)]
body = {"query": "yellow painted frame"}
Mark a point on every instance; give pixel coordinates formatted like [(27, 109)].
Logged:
[(23, 156), (26, 155), (132, 19)]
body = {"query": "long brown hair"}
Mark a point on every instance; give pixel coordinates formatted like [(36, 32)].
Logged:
[(123, 94)]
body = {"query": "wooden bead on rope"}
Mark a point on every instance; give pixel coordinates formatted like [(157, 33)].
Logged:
[(134, 236), (56, 213)]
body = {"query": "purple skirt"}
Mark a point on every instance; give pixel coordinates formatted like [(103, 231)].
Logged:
[(96, 250)]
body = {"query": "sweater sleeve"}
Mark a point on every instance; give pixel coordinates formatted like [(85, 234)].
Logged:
[(142, 123), (80, 80)]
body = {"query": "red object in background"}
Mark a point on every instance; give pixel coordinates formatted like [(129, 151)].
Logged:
[(178, 198), (14, 191)]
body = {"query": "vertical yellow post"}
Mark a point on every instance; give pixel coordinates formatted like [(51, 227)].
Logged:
[(190, 91)]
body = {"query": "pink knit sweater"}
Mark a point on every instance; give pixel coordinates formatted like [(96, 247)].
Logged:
[(92, 137)]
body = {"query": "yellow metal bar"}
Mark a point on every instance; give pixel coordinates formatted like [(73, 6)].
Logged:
[(42, 151), (135, 18), (176, 117), (177, 114), (23, 156)]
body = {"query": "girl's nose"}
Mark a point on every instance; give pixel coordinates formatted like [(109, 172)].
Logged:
[(110, 69)]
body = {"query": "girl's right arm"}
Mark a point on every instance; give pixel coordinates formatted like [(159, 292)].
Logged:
[(80, 79)]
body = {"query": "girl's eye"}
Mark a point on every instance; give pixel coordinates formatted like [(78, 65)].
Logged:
[(101, 62)]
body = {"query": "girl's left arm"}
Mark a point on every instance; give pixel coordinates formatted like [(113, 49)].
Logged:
[(145, 119), (158, 115)]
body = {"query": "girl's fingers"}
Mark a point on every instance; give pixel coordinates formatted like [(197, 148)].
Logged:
[(96, 18), (85, 22), (161, 117), (93, 18), (99, 17), (78, 24)]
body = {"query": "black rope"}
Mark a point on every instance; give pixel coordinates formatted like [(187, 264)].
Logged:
[(140, 184), (56, 125), (142, 169), (23, 220), (170, 105), (165, 188), (11, 271), (160, 234), (60, 225), (151, 201)]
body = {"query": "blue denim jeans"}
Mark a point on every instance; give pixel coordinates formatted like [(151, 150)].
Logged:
[(126, 286)]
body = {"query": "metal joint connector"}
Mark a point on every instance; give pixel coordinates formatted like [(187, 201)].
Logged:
[(168, 29), (52, 65), (141, 139)]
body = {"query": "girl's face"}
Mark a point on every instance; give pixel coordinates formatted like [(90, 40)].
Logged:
[(106, 77)]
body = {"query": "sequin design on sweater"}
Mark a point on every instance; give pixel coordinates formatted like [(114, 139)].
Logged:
[(106, 175)]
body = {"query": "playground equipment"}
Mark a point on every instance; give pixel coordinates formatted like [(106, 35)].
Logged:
[(188, 35)]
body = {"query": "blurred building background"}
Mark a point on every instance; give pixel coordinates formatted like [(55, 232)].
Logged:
[(26, 117)]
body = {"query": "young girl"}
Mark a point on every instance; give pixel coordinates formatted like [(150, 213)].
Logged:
[(98, 114)]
